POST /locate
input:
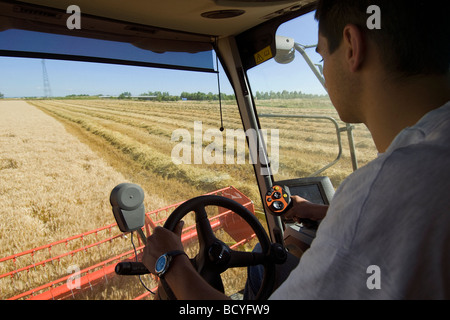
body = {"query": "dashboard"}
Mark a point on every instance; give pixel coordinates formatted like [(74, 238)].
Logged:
[(317, 190)]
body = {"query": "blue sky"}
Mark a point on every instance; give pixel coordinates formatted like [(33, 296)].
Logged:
[(22, 77)]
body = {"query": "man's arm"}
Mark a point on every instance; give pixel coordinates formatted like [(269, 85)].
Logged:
[(303, 209), (185, 282)]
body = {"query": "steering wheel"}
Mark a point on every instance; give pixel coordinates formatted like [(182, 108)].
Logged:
[(214, 256)]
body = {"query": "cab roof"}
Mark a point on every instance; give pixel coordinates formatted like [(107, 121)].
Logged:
[(171, 25), (207, 17)]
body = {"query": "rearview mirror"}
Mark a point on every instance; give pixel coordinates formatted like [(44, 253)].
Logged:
[(285, 49)]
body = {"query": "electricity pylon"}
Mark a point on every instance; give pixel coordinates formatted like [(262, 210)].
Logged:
[(47, 89)]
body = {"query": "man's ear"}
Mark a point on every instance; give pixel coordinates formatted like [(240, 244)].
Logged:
[(355, 47)]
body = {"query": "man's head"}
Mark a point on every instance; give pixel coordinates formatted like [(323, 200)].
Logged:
[(414, 37), (413, 40)]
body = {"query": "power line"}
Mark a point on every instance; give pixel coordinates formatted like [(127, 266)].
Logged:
[(47, 89)]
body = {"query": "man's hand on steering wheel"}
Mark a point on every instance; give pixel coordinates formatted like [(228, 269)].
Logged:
[(161, 241), (184, 280), (199, 277)]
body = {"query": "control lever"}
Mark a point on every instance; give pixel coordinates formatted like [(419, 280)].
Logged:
[(129, 268), (278, 200)]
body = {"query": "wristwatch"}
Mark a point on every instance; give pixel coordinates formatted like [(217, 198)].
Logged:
[(163, 262)]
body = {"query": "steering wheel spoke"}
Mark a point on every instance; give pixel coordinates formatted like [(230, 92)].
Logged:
[(204, 231), (244, 259)]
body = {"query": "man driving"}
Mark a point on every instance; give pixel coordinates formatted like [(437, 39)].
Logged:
[(393, 213)]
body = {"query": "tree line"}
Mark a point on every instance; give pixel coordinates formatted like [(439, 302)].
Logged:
[(201, 96), (166, 96), (285, 95)]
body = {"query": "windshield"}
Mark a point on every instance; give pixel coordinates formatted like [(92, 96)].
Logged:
[(71, 131), (293, 104)]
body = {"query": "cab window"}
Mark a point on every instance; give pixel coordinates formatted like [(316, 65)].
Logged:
[(293, 104)]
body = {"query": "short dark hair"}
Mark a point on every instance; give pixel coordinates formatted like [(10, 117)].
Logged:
[(414, 37)]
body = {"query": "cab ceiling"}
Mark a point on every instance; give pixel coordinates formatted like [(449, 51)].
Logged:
[(207, 17)]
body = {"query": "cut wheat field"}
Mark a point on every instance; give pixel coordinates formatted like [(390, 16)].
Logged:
[(59, 160), (135, 138)]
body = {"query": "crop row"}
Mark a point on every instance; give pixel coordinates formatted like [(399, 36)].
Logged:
[(143, 131)]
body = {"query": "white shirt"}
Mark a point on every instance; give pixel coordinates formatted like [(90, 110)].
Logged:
[(387, 231)]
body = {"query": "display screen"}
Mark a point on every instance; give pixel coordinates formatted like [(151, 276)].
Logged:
[(310, 192)]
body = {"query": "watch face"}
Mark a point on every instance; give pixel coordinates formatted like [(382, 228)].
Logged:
[(160, 263)]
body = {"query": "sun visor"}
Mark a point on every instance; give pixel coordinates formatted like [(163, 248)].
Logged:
[(39, 32), (24, 43)]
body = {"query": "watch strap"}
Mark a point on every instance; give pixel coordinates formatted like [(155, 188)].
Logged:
[(164, 291), (174, 253)]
